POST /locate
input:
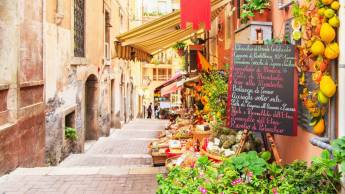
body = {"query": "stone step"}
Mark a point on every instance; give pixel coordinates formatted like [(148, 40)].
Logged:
[(84, 170), (107, 160)]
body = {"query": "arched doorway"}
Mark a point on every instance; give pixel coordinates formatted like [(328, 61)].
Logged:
[(91, 102)]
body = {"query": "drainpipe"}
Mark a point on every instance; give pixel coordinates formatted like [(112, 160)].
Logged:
[(341, 72)]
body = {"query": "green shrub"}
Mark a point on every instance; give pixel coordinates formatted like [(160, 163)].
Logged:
[(71, 133), (249, 173)]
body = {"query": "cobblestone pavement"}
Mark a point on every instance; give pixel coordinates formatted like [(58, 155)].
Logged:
[(116, 164)]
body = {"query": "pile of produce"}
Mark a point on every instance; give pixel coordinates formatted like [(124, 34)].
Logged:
[(251, 172), (225, 142), (315, 24), (214, 92)]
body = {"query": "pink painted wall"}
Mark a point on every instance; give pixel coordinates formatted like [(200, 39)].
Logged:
[(299, 147)]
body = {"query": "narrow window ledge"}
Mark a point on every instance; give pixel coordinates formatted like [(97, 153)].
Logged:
[(79, 61), (69, 109), (4, 86), (6, 126), (32, 83), (107, 62)]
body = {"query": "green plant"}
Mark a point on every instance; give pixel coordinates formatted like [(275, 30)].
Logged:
[(215, 92), (71, 133), (179, 45), (249, 173), (250, 162), (251, 6), (338, 146)]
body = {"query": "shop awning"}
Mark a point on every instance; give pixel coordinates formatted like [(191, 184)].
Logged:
[(172, 88), (165, 31), (175, 78), (193, 79)]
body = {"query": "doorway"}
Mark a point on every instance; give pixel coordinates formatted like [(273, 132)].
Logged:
[(91, 102)]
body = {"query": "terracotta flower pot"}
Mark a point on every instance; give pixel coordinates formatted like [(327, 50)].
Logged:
[(265, 16), (180, 52)]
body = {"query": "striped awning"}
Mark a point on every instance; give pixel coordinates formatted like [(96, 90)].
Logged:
[(172, 88), (165, 31)]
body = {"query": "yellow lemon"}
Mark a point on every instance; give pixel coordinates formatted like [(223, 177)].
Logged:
[(332, 51), (322, 98), (327, 33), (329, 13), (295, 24), (327, 2), (334, 21), (335, 5), (317, 48), (296, 35), (327, 86), (321, 11), (319, 128)]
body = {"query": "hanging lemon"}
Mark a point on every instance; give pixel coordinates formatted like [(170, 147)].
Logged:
[(327, 86), (321, 11), (327, 33), (332, 51), (334, 21), (296, 35), (335, 5), (322, 98), (317, 48), (329, 13), (319, 128), (327, 2), (295, 24)]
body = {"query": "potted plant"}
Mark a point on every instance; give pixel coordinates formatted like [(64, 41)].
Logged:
[(258, 10), (179, 46)]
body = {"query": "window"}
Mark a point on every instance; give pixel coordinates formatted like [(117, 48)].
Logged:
[(169, 73), (162, 75), (79, 28), (155, 74), (107, 27)]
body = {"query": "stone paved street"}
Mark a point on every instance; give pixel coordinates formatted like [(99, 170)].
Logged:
[(116, 164)]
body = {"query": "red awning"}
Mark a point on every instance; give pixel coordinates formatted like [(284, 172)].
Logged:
[(175, 78), (172, 88)]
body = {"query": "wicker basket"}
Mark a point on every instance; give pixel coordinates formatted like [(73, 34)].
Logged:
[(212, 157), (199, 136), (169, 160), (158, 159)]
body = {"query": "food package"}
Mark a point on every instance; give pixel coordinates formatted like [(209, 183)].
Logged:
[(174, 144)]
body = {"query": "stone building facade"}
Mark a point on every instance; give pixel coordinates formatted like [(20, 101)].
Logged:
[(60, 67), (22, 131), (88, 86)]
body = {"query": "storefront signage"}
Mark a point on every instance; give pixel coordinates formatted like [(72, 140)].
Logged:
[(263, 89)]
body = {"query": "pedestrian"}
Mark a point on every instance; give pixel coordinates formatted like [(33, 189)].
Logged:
[(149, 111), (157, 109)]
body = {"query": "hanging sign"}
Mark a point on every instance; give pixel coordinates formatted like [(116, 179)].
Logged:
[(263, 90), (196, 12)]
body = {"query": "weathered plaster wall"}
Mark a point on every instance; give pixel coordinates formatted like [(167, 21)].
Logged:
[(66, 76), (22, 113)]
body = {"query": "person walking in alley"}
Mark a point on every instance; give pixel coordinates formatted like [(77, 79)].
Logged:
[(156, 109), (149, 111)]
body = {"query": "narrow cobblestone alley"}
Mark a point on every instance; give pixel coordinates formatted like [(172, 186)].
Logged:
[(116, 164)]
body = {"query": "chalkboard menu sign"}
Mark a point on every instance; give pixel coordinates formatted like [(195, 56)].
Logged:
[(263, 90)]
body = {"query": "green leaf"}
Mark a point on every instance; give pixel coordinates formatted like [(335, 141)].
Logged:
[(342, 166)]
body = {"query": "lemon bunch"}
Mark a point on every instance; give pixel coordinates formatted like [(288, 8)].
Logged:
[(317, 26)]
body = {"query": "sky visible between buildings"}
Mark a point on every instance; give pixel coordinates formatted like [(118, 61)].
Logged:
[(159, 6)]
